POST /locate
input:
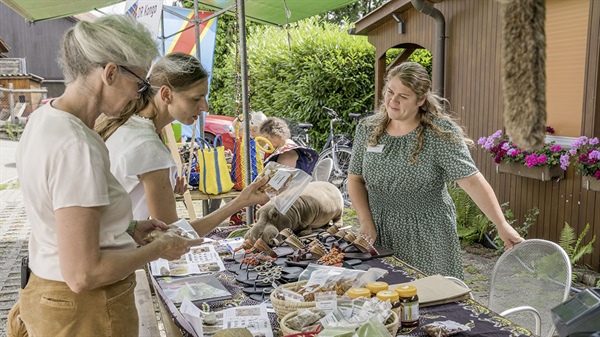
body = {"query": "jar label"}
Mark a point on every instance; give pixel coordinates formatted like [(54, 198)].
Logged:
[(409, 312)]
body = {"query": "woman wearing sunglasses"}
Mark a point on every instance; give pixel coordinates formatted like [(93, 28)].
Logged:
[(140, 160), (81, 257)]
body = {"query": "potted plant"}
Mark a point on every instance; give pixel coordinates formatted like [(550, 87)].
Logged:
[(587, 163), (545, 163)]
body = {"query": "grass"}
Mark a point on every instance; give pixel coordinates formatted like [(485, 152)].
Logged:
[(471, 270)]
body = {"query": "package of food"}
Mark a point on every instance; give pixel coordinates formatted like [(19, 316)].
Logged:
[(327, 278), (305, 318), (444, 328), (285, 184)]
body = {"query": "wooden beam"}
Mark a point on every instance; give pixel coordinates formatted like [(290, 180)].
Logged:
[(378, 17)]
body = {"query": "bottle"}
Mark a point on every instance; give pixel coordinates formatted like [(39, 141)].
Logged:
[(409, 306), (359, 292), (376, 287)]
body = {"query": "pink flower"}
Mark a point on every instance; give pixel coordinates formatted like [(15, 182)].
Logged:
[(555, 148)]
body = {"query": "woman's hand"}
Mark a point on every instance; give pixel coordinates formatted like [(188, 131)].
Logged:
[(509, 235), (251, 195), (369, 232), (180, 185), (172, 246), (145, 227)]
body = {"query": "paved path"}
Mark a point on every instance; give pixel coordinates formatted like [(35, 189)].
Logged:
[(8, 169), (14, 235)]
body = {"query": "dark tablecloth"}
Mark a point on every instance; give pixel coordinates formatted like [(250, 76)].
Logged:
[(483, 321)]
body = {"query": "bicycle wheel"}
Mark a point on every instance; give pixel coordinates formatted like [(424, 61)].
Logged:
[(339, 173)]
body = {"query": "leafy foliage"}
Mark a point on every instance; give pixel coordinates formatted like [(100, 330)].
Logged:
[(294, 72), (573, 246), (523, 230), (471, 224), (352, 12)]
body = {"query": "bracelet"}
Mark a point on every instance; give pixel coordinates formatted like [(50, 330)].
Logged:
[(131, 227)]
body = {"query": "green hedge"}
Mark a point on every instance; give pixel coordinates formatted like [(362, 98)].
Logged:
[(323, 65)]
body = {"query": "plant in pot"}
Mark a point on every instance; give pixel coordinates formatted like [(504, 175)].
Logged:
[(545, 163), (587, 152)]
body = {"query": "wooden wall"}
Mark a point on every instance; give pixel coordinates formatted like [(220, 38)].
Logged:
[(473, 87), (38, 43)]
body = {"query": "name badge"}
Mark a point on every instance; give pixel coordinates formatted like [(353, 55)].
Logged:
[(376, 149)]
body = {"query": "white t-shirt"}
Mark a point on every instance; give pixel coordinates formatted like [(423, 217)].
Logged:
[(63, 163), (134, 149)]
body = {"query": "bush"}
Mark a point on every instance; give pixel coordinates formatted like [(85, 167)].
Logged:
[(322, 65)]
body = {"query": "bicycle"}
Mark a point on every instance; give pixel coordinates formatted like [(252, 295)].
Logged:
[(338, 147)]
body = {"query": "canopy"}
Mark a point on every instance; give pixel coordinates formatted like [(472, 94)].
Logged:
[(266, 11)]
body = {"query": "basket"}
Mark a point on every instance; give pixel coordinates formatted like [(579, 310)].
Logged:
[(282, 307), (393, 323)]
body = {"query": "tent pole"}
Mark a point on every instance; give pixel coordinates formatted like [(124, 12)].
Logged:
[(197, 30), (245, 102)]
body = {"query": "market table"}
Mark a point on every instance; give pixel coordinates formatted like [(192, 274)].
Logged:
[(483, 321)]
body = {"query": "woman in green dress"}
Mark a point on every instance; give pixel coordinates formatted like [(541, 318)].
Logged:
[(402, 158)]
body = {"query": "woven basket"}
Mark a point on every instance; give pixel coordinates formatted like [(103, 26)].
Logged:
[(393, 323), (282, 307)]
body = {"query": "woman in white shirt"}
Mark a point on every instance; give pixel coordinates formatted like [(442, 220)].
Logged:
[(140, 160), (82, 260)]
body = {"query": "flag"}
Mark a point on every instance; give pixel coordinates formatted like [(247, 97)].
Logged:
[(132, 11)]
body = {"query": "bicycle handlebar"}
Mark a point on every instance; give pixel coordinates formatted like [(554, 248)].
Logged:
[(330, 111)]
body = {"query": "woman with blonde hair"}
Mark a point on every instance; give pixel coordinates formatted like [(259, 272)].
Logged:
[(81, 254), (140, 160), (402, 158)]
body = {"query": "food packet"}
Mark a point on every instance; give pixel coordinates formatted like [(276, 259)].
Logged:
[(285, 184), (444, 329), (305, 318)]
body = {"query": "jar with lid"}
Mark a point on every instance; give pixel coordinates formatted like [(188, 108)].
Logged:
[(376, 287), (409, 306), (392, 296), (359, 292)]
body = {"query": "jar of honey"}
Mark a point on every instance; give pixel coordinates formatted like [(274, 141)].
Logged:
[(376, 287), (409, 306), (359, 292)]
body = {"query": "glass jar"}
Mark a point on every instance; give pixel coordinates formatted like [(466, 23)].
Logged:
[(409, 306), (359, 292), (376, 287)]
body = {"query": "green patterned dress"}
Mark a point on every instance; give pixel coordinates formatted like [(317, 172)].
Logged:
[(412, 210)]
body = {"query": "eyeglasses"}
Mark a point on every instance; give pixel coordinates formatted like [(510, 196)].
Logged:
[(143, 85)]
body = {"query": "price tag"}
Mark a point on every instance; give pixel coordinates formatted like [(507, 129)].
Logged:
[(279, 179)]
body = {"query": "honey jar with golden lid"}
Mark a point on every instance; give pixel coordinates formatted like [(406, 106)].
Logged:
[(376, 287), (386, 295), (359, 292)]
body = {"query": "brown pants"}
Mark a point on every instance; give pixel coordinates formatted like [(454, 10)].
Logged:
[(50, 308)]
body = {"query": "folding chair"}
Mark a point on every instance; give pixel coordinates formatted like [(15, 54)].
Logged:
[(529, 280)]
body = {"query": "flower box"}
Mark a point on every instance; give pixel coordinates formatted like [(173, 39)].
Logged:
[(590, 183), (543, 173)]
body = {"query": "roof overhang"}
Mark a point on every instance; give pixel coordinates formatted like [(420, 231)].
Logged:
[(383, 14)]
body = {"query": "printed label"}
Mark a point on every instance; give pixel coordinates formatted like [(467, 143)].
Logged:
[(279, 179), (376, 149), (409, 312)]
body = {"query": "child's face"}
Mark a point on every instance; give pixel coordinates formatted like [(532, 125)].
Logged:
[(254, 131)]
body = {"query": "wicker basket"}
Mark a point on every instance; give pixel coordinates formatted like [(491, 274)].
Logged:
[(393, 323), (282, 307)]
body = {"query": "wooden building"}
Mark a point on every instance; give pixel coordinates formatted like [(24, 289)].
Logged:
[(471, 80), (38, 43)]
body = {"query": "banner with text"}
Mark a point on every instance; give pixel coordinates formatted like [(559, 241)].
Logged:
[(145, 11)]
